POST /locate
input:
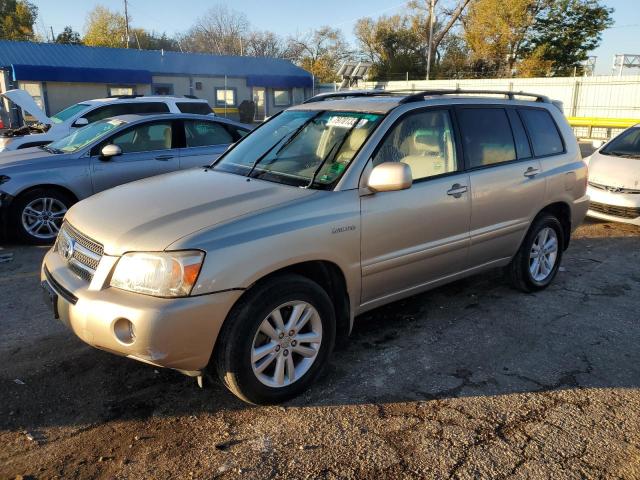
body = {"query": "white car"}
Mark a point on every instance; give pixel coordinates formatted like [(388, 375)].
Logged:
[(614, 179), (49, 129)]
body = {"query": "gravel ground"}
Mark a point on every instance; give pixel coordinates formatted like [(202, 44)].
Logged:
[(472, 380)]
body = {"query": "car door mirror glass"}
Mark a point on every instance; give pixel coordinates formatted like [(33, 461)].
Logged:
[(109, 151), (81, 122), (390, 176)]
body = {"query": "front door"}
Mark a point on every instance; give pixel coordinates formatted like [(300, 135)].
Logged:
[(259, 96), (414, 237), (146, 151)]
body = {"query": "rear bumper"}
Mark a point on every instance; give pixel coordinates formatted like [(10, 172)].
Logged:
[(176, 333)]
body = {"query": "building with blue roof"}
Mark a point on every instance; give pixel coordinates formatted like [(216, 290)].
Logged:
[(60, 75)]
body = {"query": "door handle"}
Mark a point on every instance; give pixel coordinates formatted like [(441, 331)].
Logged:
[(457, 190), (531, 172), (164, 158)]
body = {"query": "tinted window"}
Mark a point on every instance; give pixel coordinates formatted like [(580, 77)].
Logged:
[(145, 138), (486, 136), (237, 132), (542, 130), (126, 109), (199, 108), (522, 142), (200, 133), (422, 140)]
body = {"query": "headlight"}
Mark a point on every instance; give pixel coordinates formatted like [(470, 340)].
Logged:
[(4, 179), (161, 274)]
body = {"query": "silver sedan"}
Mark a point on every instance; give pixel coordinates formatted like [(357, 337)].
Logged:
[(39, 184)]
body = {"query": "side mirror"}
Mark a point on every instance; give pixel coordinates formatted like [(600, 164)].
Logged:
[(109, 151), (597, 143), (81, 122), (390, 176)]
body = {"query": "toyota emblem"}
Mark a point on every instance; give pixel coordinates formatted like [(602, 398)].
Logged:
[(70, 248)]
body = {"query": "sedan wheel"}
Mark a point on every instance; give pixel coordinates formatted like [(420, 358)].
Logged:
[(42, 218)]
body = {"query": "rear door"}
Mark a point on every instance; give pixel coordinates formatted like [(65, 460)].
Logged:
[(414, 237), (204, 142), (507, 188), (147, 150)]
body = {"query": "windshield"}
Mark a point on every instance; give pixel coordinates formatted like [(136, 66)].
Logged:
[(69, 112), (627, 144), (84, 136), (301, 147)]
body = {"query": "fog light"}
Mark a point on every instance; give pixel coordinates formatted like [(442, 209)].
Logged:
[(124, 331)]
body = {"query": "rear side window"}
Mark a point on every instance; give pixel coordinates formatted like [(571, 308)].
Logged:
[(199, 108), (200, 133), (543, 131), (116, 109), (486, 136)]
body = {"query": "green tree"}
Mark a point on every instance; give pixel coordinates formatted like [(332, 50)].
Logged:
[(567, 31), (16, 19), (68, 36), (105, 28), (153, 41)]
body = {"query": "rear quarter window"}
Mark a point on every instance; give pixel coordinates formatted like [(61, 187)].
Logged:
[(543, 131), (199, 108)]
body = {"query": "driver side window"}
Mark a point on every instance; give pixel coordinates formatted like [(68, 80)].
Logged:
[(145, 138), (422, 140)]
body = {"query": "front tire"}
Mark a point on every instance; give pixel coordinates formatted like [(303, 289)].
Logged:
[(276, 340), (537, 262), (37, 215)]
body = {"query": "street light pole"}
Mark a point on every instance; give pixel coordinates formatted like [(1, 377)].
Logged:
[(126, 25), (431, 8)]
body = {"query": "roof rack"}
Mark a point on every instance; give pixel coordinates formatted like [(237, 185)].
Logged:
[(341, 94), (127, 96), (419, 96), (193, 97)]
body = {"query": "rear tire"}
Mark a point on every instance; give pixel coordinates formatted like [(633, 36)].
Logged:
[(537, 262), (276, 340), (36, 216)]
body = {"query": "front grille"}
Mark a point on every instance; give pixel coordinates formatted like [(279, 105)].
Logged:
[(83, 254), (615, 211), (608, 188)]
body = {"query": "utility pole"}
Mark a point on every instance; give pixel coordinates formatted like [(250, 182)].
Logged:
[(53, 39), (126, 19), (431, 19)]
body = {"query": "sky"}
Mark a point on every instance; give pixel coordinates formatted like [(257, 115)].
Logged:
[(288, 17)]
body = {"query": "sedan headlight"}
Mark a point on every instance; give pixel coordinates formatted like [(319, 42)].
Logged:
[(160, 274)]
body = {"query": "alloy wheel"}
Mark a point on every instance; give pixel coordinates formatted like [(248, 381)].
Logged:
[(543, 255), (42, 217)]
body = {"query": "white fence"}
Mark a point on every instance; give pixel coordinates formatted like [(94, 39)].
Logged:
[(601, 96)]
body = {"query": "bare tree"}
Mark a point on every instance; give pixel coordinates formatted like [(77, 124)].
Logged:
[(220, 30), (321, 52), (265, 44)]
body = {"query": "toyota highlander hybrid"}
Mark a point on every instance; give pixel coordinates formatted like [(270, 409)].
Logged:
[(254, 266)]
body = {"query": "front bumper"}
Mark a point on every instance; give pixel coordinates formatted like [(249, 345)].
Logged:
[(176, 333), (621, 206)]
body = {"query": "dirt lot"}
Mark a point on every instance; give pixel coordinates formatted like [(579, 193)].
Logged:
[(472, 380)]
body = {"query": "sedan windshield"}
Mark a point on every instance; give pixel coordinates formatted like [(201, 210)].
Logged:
[(69, 112), (301, 147), (84, 136), (627, 144)]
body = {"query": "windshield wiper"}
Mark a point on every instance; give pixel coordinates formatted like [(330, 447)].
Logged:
[(622, 154), (288, 139), (49, 149)]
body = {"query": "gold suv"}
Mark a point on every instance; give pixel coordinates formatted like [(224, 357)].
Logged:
[(253, 266)]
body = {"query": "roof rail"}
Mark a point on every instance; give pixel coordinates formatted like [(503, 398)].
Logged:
[(346, 94), (127, 96), (419, 96), (191, 96)]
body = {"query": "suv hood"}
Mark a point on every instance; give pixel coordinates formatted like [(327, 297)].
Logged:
[(151, 214), (615, 171), (25, 157), (26, 102)]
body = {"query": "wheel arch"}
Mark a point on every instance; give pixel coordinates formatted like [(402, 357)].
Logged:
[(562, 211), (49, 186)]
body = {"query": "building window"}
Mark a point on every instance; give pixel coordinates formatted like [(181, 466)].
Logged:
[(198, 85), (225, 97), (282, 98), (162, 88), (117, 91)]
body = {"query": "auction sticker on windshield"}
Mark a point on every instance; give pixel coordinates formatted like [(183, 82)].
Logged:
[(341, 121)]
